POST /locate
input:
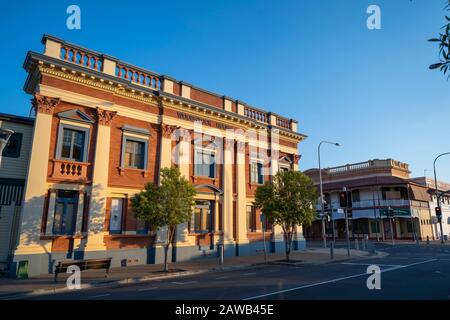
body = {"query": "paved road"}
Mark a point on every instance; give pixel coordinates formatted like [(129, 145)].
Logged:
[(409, 272)]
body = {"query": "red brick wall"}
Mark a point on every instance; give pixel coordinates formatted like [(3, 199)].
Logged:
[(132, 178), (207, 98)]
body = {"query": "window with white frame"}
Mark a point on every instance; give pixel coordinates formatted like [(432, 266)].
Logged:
[(72, 143), (115, 222), (256, 171), (134, 153), (205, 162)]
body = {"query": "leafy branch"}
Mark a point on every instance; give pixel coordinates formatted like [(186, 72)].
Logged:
[(444, 46)]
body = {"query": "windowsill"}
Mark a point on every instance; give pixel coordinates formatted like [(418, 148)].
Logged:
[(62, 236), (123, 170), (253, 184), (204, 233), (138, 235), (196, 178)]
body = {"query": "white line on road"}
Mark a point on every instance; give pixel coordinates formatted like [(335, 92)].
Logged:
[(185, 282), (369, 264), (147, 289), (223, 277), (335, 280), (274, 270), (249, 273), (100, 295)]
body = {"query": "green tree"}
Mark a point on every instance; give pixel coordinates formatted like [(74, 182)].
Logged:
[(289, 201), (444, 46), (166, 205)]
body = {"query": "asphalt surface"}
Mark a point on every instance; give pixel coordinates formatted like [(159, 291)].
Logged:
[(408, 272)]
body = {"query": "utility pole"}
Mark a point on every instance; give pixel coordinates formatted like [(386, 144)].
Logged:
[(391, 217), (324, 237), (437, 195)]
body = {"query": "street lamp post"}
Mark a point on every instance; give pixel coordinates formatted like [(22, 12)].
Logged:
[(437, 193), (5, 134), (321, 195)]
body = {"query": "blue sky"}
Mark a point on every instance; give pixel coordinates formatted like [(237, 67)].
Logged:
[(312, 60)]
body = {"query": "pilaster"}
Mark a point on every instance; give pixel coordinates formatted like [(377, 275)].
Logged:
[(97, 206)]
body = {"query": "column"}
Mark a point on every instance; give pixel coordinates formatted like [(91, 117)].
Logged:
[(277, 235), (184, 159), (301, 242), (165, 161), (51, 212), (35, 189), (227, 202), (241, 199), (80, 212), (97, 205)]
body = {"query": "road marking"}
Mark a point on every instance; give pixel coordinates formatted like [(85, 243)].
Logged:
[(100, 295), (369, 264), (249, 273), (185, 282), (147, 289), (223, 277), (335, 280), (275, 270)]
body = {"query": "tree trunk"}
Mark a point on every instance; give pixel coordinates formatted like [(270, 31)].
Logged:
[(166, 252), (287, 242)]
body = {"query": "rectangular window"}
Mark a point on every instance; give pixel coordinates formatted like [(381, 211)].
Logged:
[(134, 155), (355, 195), (409, 227), (73, 145), (115, 222), (65, 212), (374, 227), (284, 169), (203, 218), (205, 163), (251, 219), (12, 149), (256, 172)]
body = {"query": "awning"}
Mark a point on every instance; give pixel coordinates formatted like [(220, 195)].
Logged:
[(420, 193)]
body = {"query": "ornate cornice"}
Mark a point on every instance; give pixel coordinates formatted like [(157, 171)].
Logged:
[(105, 116), (44, 104)]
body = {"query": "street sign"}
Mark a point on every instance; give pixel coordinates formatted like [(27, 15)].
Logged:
[(262, 217)]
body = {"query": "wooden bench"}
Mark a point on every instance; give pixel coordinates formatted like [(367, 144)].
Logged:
[(88, 264)]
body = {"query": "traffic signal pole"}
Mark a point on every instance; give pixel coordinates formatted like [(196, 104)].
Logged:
[(343, 199), (437, 194)]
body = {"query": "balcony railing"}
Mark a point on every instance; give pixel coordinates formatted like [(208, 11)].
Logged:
[(81, 57), (283, 123), (371, 203), (138, 76), (256, 114), (70, 170)]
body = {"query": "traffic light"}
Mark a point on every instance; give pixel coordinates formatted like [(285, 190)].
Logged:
[(343, 199), (438, 212)]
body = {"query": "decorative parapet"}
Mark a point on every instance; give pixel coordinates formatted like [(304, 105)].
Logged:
[(386, 163), (94, 61)]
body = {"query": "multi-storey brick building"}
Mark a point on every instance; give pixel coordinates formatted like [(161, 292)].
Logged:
[(104, 128), (375, 186)]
